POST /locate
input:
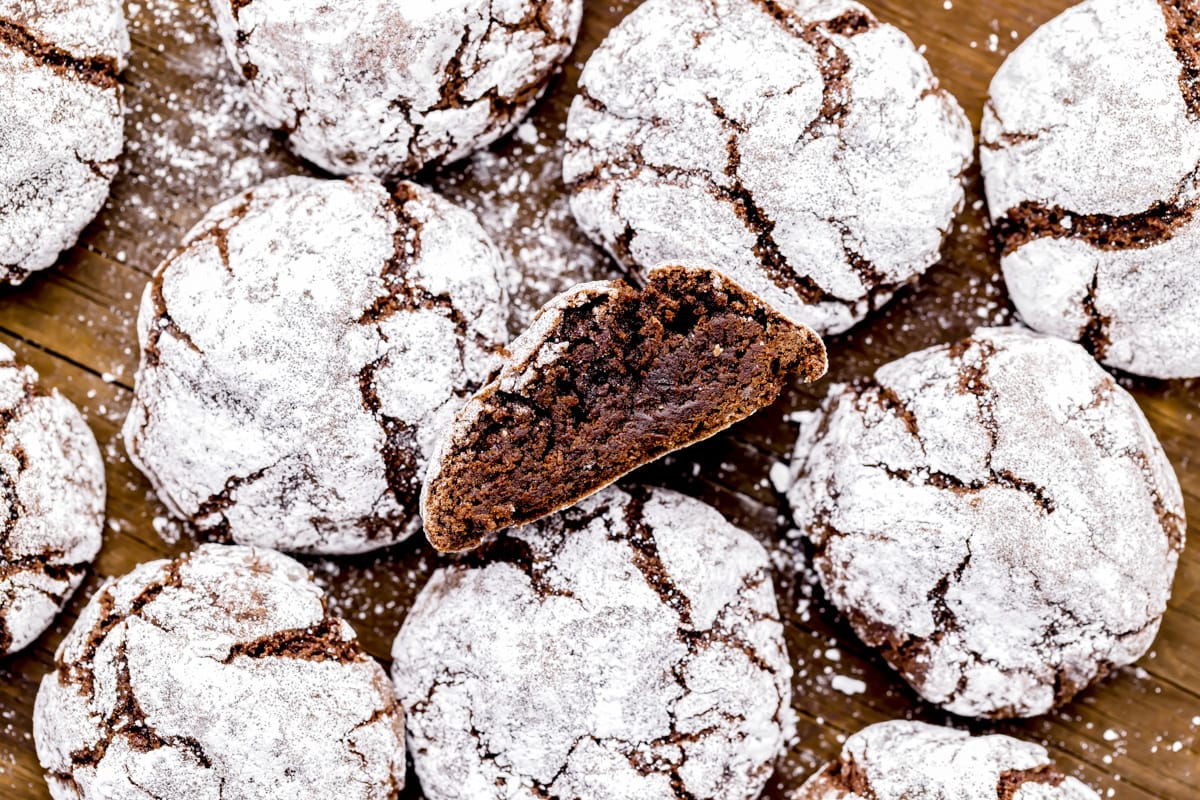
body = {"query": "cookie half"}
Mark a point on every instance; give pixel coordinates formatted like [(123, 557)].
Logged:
[(607, 378)]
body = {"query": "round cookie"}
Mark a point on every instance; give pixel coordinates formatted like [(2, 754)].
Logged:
[(300, 354), (388, 87), (217, 676), (901, 760), (628, 648), (800, 146), (51, 502), (995, 516), (1090, 147), (61, 124)]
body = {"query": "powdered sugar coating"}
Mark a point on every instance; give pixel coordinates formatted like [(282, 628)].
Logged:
[(1094, 115), (902, 760), (61, 126), (996, 516), (629, 647), (800, 146), (318, 334), (51, 503), (218, 676), (387, 87)]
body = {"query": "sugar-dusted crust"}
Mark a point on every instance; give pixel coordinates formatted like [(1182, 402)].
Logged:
[(217, 676), (301, 352), (629, 648), (51, 503), (1090, 147), (390, 86), (61, 125), (902, 760), (800, 144), (607, 378), (996, 516)]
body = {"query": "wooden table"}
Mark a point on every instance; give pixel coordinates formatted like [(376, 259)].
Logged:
[(191, 143)]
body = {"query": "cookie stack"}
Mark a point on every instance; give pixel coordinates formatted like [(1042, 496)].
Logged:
[(326, 370)]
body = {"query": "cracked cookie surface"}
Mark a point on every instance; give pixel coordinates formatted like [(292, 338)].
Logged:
[(800, 145), (300, 353), (629, 648), (51, 503), (387, 86), (61, 124), (995, 516), (903, 760), (608, 377), (217, 676), (1090, 148)]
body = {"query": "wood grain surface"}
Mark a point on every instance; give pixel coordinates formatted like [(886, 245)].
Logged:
[(191, 142)]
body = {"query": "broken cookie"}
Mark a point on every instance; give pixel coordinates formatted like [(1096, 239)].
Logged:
[(802, 145), (219, 674), (902, 760), (607, 378), (996, 516), (1090, 146), (630, 647)]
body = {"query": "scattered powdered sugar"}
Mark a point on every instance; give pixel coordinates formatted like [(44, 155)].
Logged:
[(220, 673), (192, 139), (845, 684), (52, 505), (320, 334), (996, 516), (629, 647), (802, 147), (1090, 151), (520, 201), (60, 124), (388, 88), (902, 760)]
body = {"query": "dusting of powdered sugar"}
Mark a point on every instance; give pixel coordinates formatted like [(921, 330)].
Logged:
[(61, 127), (1090, 152), (52, 503), (220, 674), (901, 760), (387, 88), (192, 140), (629, 647), (996, 516), (317, 335), (799, 145)]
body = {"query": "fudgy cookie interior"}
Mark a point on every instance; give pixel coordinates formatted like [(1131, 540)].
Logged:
[(620, 378)]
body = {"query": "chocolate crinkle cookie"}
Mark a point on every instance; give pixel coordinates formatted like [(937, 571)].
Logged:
[(218, 676), (995, 516), (51, 503), (390, 86), (607, 378), (300, 353), (902, 760), (801, 145), (630, 647), (61, 125), (1090, 147)]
